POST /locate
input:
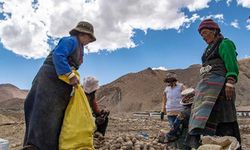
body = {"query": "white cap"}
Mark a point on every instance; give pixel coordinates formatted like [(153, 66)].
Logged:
[(90, 84), (187, 91)]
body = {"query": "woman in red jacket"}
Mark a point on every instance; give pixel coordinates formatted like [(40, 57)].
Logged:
[(90, 86)]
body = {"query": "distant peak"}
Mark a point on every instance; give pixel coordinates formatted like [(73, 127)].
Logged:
[(8, 85), (244, 59), (195, 66)]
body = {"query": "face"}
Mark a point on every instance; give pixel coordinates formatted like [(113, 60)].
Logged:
[(84, 38), (171, 84), (208, 35)]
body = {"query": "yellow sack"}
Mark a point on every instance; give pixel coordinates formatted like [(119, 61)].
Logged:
[(78, 124)]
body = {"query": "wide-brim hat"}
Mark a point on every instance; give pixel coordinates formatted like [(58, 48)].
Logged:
[(187, 96), (84, 27), (90, 84)]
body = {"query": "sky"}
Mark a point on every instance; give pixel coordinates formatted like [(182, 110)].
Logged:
[(131, 35)]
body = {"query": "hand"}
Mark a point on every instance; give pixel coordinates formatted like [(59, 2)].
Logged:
[(104, 112), (100, 120), (74, 81), (230, 92)]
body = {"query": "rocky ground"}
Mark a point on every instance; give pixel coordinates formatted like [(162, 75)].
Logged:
[(124, 132)]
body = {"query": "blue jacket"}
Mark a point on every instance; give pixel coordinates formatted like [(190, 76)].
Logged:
[(62, 51)]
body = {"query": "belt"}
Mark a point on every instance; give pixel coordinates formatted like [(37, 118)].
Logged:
[(205, 69)]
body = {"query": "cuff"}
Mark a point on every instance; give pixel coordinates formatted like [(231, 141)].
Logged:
[(233, 74)]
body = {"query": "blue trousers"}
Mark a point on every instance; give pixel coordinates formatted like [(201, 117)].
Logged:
[(171, 120)]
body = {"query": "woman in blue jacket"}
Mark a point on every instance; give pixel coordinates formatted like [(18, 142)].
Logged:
[(49, 96)]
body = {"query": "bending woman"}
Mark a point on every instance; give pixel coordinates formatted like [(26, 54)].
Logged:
[(49, 96)]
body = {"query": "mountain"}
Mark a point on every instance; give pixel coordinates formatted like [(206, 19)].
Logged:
[(11, 100), (143, 91), (9, 91)]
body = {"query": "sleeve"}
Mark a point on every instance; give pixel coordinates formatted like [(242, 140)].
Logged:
[(227, 52), (95, 107), (60, 54)]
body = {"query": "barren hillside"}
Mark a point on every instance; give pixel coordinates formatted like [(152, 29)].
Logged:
[(140, 91), (9, 91), (143, 90)]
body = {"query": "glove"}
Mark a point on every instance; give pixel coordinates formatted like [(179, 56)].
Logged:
[(100, 120), (104, 113), (162, 115), (102, 116)]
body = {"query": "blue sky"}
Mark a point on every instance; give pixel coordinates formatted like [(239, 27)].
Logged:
[(171, 47)]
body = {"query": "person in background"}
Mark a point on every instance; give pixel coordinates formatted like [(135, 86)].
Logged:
[(49, 96), (213, 111), (90, 86), (172, 97), (177, 134)]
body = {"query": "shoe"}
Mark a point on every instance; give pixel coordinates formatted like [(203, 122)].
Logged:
[(170, 138)]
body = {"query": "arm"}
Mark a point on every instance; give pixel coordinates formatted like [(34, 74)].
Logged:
[(95, 107), (163, 110), (164, 101), (60, 54), (227, 51)]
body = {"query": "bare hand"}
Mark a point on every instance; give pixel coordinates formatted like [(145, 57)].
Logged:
[(230, 92), (74, 81)]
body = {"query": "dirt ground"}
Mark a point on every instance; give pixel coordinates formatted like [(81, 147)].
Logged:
[(121, 127)]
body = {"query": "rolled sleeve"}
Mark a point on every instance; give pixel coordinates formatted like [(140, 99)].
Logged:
[(227, 51)]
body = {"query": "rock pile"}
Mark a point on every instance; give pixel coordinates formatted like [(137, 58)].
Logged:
[(127, 142)]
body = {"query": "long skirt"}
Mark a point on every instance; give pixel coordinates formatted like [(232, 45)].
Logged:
[(211, 111), (44, 109)]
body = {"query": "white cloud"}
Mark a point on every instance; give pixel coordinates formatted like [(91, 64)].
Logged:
[(23, 33), (160, 68), (248, 26), (235, 24), (220, 17), (229, 2), (244, 3), (198, 4), (191, 20), (26, 30)]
